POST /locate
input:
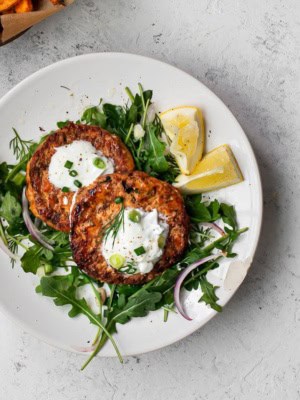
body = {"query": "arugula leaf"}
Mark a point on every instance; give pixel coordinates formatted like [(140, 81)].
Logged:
[(200, 211), (196, 209), (165, 281), (62, 124), (137, 306), (94, 116), (10, 209), (194, 280), (214, 208), (228, 215), (36, 256), (209, 294), (156, 149), (133, 114), (115, 115), (62, 290)]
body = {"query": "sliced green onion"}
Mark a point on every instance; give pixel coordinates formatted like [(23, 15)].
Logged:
[(161, 241), (73, 173), (128, 269), (134, 216), (119, 200), (65, 189), (68, 164), (77, 183), (140, 250), (117, 261), (99, 163)]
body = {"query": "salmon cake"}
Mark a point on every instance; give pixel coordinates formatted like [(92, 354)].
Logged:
[(128, 228), (71, 158)]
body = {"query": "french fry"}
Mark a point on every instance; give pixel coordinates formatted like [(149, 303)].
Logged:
[(7, 4), (23, 6)]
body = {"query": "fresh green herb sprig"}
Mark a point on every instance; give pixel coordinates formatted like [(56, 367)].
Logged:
[(22, 150), (19, 146), (112, 227)]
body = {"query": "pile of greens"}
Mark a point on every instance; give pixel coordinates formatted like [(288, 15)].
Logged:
[(117, 304)]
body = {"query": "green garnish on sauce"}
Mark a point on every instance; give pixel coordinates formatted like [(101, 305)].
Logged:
[(117, 261), (99, 163), (73, 173), (68, 164), (77, 183), (140, 250), (134, 216), (65, 189)]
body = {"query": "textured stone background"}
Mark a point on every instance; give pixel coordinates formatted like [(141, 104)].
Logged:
[(248, 53)]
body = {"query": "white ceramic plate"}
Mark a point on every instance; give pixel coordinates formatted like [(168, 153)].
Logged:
[(41, 101)]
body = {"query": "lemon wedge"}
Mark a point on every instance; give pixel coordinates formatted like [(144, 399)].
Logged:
[(217, 169), (184, 126)]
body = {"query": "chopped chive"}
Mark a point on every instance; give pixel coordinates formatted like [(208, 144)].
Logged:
[(73, 173), (134, 216), (77, 183), (65, 189), (68, 164), (140, 250), (99, 163), (119, 200)]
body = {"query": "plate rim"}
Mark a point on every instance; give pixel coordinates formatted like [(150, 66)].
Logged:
[(26, 326)]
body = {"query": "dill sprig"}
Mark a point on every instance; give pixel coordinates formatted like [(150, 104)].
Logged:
[(19, 146), (112, 227), (199, 235)]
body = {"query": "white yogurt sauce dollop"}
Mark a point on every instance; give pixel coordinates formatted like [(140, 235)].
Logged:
[(133, 235), (82, 154)]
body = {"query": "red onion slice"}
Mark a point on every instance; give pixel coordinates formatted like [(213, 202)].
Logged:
[(181, 279), (215, 227), (85, 349), (34, 232), (8, 252)]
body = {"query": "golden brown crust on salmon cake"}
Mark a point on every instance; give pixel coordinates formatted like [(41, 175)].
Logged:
[(48, 202), (95, 208)]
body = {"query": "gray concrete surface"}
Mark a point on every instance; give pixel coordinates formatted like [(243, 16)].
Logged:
[(248, 53)]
